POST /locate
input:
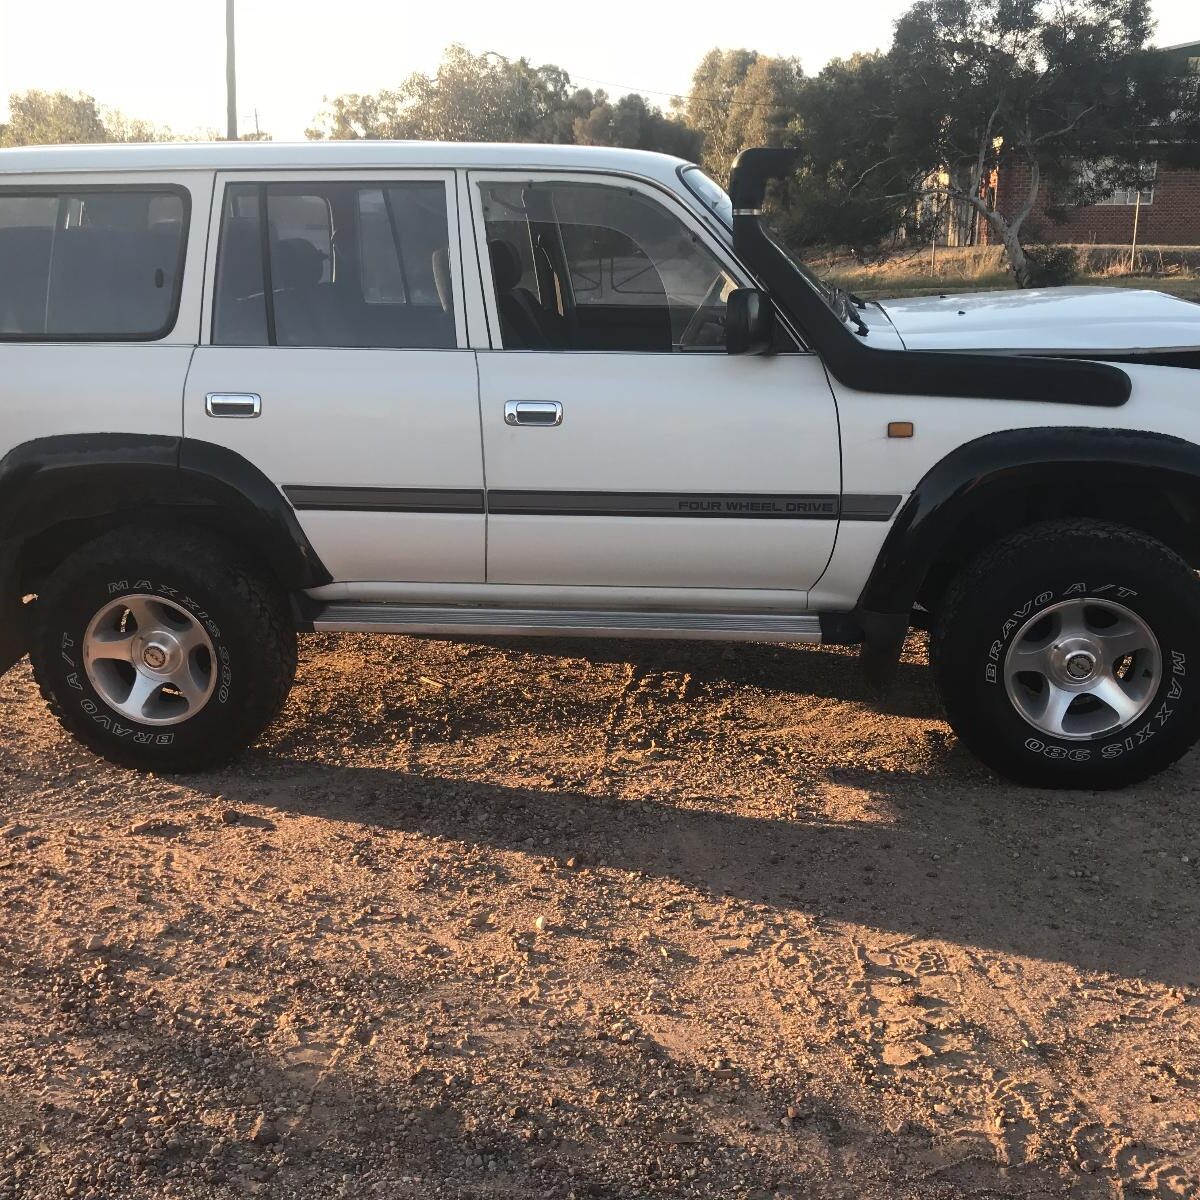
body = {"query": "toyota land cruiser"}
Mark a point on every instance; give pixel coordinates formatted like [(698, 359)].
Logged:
[(251, 390)]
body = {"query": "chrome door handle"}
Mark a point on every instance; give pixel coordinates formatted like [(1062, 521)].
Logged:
[(533, 412), (233, 404)]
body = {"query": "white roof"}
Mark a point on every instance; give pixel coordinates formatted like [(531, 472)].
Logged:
[(323, 155)]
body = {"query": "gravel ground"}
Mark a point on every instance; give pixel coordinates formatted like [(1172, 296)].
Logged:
[(592, 920)]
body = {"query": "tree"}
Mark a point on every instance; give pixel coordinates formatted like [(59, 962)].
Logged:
[(1068, 90), (741, 98), (56, 118), (844, 124), (51, 118), (635, 124), (471, 97)]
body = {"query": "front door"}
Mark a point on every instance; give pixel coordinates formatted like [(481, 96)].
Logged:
[(335, 360), (623, 446)]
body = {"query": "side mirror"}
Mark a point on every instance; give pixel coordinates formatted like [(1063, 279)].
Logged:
[(749, 322)]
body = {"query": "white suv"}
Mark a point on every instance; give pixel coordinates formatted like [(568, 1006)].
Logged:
[(248, 390)]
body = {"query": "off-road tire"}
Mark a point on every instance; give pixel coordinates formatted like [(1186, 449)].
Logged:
[(984, 609), (244, 613)]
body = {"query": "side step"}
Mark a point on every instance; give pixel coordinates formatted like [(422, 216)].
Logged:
[(458, 621)]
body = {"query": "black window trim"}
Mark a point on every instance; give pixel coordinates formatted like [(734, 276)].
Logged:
[(151, 188)]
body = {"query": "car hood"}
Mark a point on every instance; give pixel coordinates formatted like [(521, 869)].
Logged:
[(1067, 319)]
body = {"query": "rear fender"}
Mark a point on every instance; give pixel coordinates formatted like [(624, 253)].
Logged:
[(89, 480)]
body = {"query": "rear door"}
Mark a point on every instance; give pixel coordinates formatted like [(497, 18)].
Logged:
[(99, 306), (623, 446), (334, 357)]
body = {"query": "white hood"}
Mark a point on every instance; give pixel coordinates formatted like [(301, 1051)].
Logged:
[(1113, 320)]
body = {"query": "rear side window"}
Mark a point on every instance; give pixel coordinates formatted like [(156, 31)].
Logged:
[(332, 263), (93, 264)]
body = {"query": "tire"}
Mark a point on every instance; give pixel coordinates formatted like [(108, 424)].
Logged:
[(1053, 597), (220, 626)]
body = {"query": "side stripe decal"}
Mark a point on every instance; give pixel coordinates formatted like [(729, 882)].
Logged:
[(427, 500), (728, 505)]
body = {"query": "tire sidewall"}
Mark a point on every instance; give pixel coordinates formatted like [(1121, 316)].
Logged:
[(972, 668)]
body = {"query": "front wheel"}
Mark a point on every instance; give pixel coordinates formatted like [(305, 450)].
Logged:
[(1067, 655), (161, 649)]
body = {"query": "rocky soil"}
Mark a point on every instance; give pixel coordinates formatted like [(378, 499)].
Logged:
[(592, 920)]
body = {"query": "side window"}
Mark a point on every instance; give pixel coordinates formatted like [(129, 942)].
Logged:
[(96, 264), (347, 264), (582, 266)]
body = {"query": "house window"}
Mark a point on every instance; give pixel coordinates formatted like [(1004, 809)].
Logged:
[(1122, 196)]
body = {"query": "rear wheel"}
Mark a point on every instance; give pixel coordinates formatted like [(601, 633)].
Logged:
[(1063, 653), (161, 649)]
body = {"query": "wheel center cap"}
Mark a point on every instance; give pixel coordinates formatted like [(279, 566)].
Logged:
[(1080, 664), (155, 656)]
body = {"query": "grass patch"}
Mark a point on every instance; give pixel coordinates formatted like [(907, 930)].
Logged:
[(917, 272)]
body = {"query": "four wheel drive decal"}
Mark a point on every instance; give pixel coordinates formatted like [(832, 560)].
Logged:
[(752, 505)]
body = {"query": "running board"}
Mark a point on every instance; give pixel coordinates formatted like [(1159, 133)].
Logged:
[(457, 621)]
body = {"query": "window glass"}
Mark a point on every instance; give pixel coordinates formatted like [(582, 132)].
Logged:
[(350, 264), (580, 266), (96, 264)]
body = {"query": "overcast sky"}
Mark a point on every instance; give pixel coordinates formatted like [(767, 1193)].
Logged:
[(164, 59)]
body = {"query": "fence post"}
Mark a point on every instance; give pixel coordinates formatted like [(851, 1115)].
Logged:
[(1137, 212)]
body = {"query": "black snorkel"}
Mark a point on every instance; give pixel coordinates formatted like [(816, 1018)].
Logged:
[(902, 372)]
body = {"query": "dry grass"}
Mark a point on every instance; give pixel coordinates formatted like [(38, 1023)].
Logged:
[(914, 272)]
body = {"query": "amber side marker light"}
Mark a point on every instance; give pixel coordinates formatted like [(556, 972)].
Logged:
[(900, 429)]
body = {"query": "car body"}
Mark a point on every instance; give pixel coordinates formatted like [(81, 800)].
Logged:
[(484, 389)]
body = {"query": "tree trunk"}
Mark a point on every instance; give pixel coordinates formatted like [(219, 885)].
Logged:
[(1018, 260)]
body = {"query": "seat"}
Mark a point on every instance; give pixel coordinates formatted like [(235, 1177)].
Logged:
[(524, 323), (307, 311)]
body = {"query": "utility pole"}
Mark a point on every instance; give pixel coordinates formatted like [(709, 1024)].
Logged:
[(230, 76)]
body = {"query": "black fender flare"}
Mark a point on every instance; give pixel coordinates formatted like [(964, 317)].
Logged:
[(991, 470), (87, 477)]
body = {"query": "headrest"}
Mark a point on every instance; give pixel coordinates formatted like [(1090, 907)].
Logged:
[(506, 265), (296, 263)]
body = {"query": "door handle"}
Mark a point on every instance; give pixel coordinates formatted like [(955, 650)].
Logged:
[(233, 404), (533, 412)]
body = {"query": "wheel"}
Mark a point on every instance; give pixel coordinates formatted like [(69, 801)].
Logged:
[(1067, 655), (161, 649)]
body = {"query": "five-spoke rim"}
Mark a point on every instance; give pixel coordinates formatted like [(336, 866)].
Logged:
[(1082, 668), (150, 660)]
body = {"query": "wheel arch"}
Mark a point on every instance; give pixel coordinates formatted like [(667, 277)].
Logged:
[(58, 493), (992, 486)]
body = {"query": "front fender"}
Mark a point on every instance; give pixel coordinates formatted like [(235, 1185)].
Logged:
[(979, 479)]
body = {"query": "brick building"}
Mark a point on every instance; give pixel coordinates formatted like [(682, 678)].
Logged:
[(1168, 213)]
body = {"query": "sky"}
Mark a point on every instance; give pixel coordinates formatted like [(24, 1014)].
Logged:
[(164, 60)]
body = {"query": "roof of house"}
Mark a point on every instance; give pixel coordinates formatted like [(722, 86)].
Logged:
[(319, 155), (1191, 49)]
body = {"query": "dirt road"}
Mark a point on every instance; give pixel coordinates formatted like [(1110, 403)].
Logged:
[(592, 920)]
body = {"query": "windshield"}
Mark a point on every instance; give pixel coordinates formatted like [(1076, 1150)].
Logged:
[(846, 306), (716, 200), (712, 195)]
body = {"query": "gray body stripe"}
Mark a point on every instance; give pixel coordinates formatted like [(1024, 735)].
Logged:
[(664, 504), (430, 500), (745, 506), (868, 507)]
